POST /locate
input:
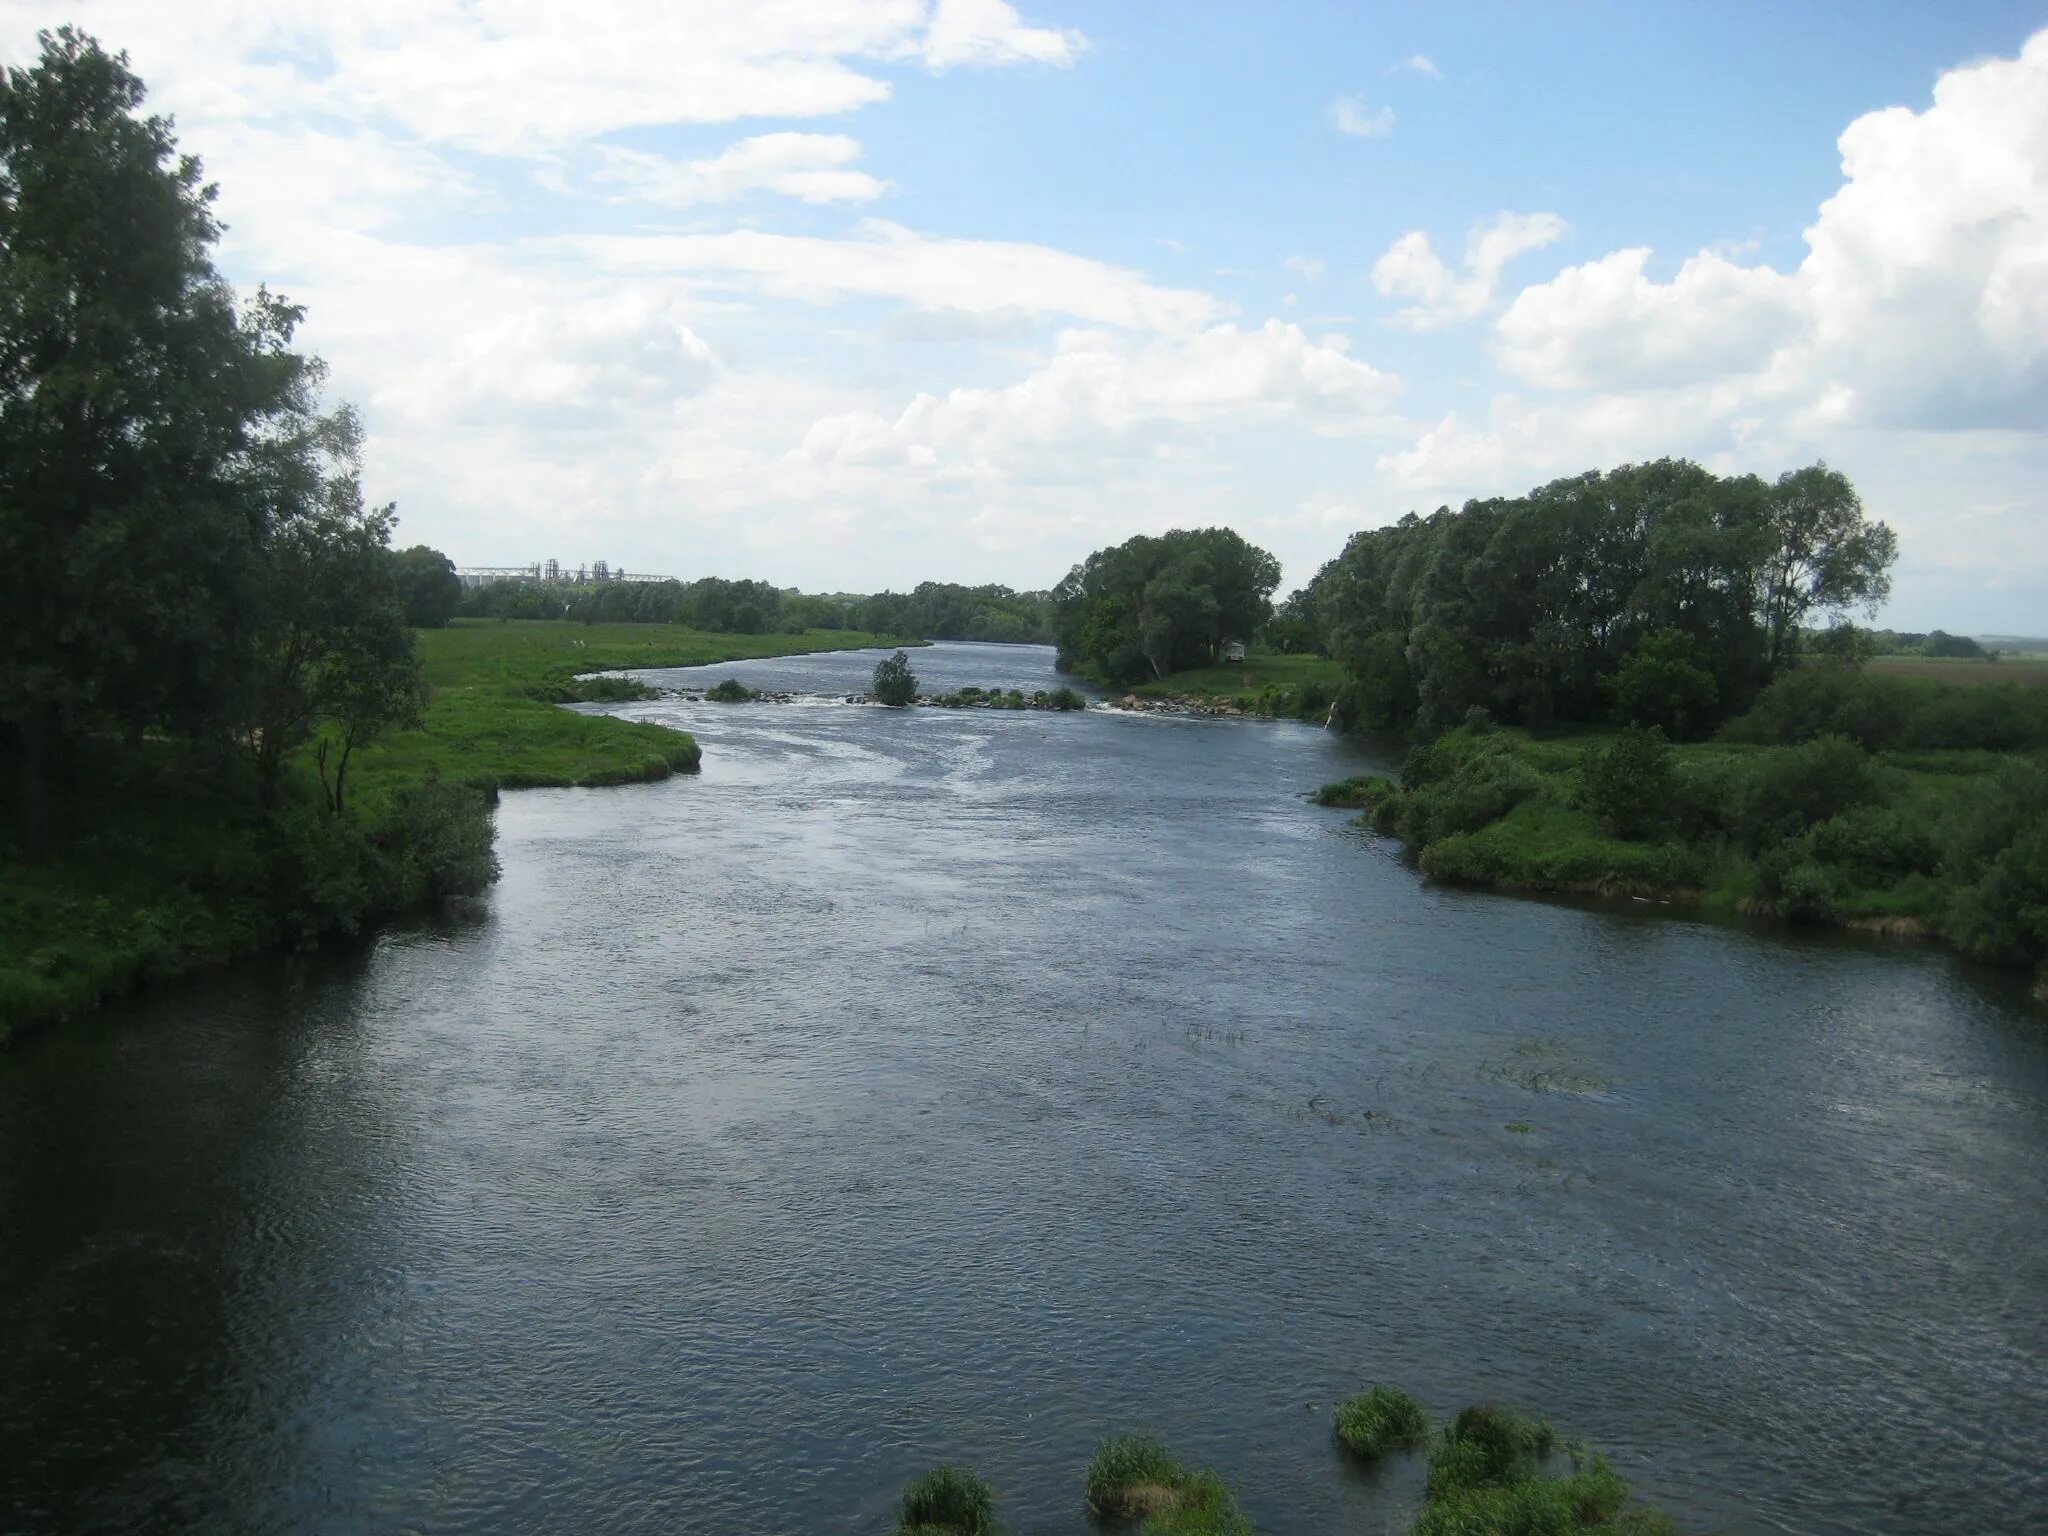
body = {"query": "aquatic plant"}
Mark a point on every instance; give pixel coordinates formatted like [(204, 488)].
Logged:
[(1133, 1475), (1593, 1498), (1488, 1447), (1202, 1506), (948, 1502), (1380, 1420)]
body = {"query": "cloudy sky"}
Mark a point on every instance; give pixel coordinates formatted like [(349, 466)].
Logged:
[(853, 293)]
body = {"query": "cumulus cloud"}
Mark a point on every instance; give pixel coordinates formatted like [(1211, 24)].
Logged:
[(1922, 301), (1420, 64), (808, 166), (991, 32), (1348, 114), (1411, 269), (1100, 393)]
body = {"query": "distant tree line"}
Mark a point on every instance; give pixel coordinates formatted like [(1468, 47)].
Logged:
[(1659, 594), (933, 610)]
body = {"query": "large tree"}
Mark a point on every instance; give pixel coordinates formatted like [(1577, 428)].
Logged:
[(139, 419), (1155, 605), (428, 587)]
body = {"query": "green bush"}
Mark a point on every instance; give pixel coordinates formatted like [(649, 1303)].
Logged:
[(1627, 784), (1380, 1420), (948, 1502), (1065, 698), (445, 840), (1783, 793), (1360, 792), (894, 683), (731, 691)]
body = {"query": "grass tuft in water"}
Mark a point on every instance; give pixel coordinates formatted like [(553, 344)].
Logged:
[(1488, 1447), (1133, 1476), (1383, 1419), (731, 691), (948, 1502), (1202, 1506), (1594, 1498)]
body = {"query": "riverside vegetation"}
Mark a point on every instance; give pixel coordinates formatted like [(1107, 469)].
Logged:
[(1491, 1473)]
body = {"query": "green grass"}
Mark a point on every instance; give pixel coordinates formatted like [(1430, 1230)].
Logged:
[(494, 718), (1965, 671), (1380, 1420), (1132, 1475), (1262, 684), (948, 1502)]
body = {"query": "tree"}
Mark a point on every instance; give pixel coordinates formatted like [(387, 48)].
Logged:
[(1627, 783), (1824, 556), (894, 682), (1662, 685), (428, 588), (135, 408), (1152, 606)]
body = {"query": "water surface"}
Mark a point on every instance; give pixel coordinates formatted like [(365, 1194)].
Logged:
[(919, 1084)]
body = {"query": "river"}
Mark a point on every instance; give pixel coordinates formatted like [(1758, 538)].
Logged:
[(922, 1085)]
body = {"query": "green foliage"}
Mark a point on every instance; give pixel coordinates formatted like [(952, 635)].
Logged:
[(1461, 782), (1487, 1447), (1203, 1506), (1781, 794), (730, 691), (1662, 685), (1881, 712), (429, 591), (1359, 792), (894, 683), (1065, 698), (1661, 590), (948, 1502), (1153, 606), (1382, 1419), (1627, 783), (1591, 1499), (1130, 1475)]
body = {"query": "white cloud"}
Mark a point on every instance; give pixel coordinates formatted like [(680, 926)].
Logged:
[(1350, 115), (1311, 268), (1606, 325), (883, 260), (529, 76), (1922, 301), (991, 32), (1420, 64), (1099, 394), (809, 166), (1411, 269)]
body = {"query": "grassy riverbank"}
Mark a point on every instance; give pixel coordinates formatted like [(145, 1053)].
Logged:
[(1263, 684), (162, 858), (1947, 844)]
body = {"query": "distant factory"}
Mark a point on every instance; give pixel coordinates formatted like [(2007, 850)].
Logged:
[(551, 572)]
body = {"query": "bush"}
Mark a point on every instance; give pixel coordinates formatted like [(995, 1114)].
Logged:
[(1064, 698), (1132, 1475), (894, 683), (1783, 793), (1663, 686), (1374, 1422), (1203, 1506), (1360, 792), (1460, 783), (946, 1502), (446, 841), (731, 691), (1627, 784)]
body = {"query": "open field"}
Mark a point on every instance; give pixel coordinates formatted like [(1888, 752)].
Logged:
[(1966, 671)]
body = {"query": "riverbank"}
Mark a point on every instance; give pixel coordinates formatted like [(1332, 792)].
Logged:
[(1947, 845), (162, 859), (1264, 686)]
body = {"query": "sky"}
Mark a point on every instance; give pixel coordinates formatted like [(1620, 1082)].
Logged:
[(850, 294)]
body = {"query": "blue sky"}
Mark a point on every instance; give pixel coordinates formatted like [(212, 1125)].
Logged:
[(853, 293)]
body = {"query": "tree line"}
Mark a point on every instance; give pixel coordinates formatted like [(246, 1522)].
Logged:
[(933, 610), (1154, 605), (185, 552), (1657, 593)]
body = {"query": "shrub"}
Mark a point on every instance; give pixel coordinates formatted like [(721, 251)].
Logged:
[(1662, 685), (1064, 697), (1380, 1420), (1132, 1475), (1874, 845), (947, 1502), (731, 691), (1627, 784), (1361, 791), (894, 683), (445, 836), (1783, 793)]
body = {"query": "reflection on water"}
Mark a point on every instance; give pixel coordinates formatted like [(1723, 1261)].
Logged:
[(924, 1084)]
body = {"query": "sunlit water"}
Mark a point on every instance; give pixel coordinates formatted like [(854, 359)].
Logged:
[(916, 1085)]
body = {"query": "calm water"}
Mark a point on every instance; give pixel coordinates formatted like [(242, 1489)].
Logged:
[(922, 1085)]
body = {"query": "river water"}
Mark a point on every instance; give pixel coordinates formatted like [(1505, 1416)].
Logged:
[(922, 1085)]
